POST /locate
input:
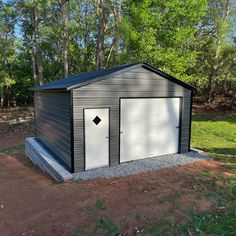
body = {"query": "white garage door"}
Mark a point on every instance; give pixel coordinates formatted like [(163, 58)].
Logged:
[(149, 127)]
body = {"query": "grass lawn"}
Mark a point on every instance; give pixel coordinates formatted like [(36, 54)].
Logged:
[(216, 134)]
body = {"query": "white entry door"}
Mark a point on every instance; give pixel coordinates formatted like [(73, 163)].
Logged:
[(96, 137), (148, 127)]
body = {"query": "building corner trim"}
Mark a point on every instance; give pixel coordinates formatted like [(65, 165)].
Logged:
[(72, 130)]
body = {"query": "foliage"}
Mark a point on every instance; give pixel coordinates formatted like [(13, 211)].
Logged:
[(7, 45), (193, 40), (162, 33)]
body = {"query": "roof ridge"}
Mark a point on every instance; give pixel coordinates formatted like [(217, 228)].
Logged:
[(85, 78)]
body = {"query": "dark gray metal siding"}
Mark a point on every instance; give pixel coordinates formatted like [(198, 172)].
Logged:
[(106, 93), (53, 127)]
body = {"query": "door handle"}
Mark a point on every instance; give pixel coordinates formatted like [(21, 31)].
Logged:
[(106, 137), (177, 127)]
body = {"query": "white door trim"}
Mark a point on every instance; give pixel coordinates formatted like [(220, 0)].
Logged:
[(106, 160)]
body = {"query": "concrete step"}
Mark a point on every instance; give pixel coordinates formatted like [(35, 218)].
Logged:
[(45, 161)]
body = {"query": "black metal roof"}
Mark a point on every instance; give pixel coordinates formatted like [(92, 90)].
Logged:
[(86, 78)]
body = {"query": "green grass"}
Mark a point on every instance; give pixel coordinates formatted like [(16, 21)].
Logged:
[(215, 134), (78, 181), (103, 225), (107, 226), (99, 205), (79, 232), (220, 221), (14, 150)]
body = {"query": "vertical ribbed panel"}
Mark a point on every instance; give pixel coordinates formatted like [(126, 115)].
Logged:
[(53, 128)]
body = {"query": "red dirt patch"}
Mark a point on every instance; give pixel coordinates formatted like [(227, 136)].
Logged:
[(32, 204), (190, 202)]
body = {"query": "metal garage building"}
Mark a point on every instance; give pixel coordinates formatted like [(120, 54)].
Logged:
[(114, 115)]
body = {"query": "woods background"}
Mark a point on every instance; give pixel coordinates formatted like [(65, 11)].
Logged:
[(41, 41)]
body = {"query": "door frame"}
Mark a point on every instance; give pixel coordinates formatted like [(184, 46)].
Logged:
[(84, 133), (180, 117)]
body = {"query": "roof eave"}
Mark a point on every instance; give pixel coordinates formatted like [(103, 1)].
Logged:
[(103, 77), (142, 64), (49, 90)]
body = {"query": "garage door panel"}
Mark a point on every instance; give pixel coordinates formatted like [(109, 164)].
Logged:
[(148, 127)]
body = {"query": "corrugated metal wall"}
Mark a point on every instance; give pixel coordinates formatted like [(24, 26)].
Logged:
[(53, 129), (106, 93)]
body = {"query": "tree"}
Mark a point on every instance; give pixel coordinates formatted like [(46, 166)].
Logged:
[(36, 39), (63, 14), (7, 51), (41, 41), (162, 33), (101, 30), (216, 48)]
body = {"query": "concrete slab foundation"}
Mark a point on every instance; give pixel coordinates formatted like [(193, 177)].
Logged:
[(45, 161)]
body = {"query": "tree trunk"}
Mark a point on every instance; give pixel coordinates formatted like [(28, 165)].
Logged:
[(38, 61), (86, 34), (33, 56), (116, 9), (11, 99), (5, 97), (100, 34), (1, 98), (216, 63), (213, 77), (64, 37), (7, 69)]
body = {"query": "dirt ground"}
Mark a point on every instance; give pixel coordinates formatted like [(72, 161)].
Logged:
[(220, 105), (15, 126), (31, 203)]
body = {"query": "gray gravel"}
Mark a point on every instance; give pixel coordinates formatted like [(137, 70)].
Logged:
[(138, 166)]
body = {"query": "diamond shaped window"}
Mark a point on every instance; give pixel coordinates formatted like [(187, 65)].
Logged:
[(96, 120)]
